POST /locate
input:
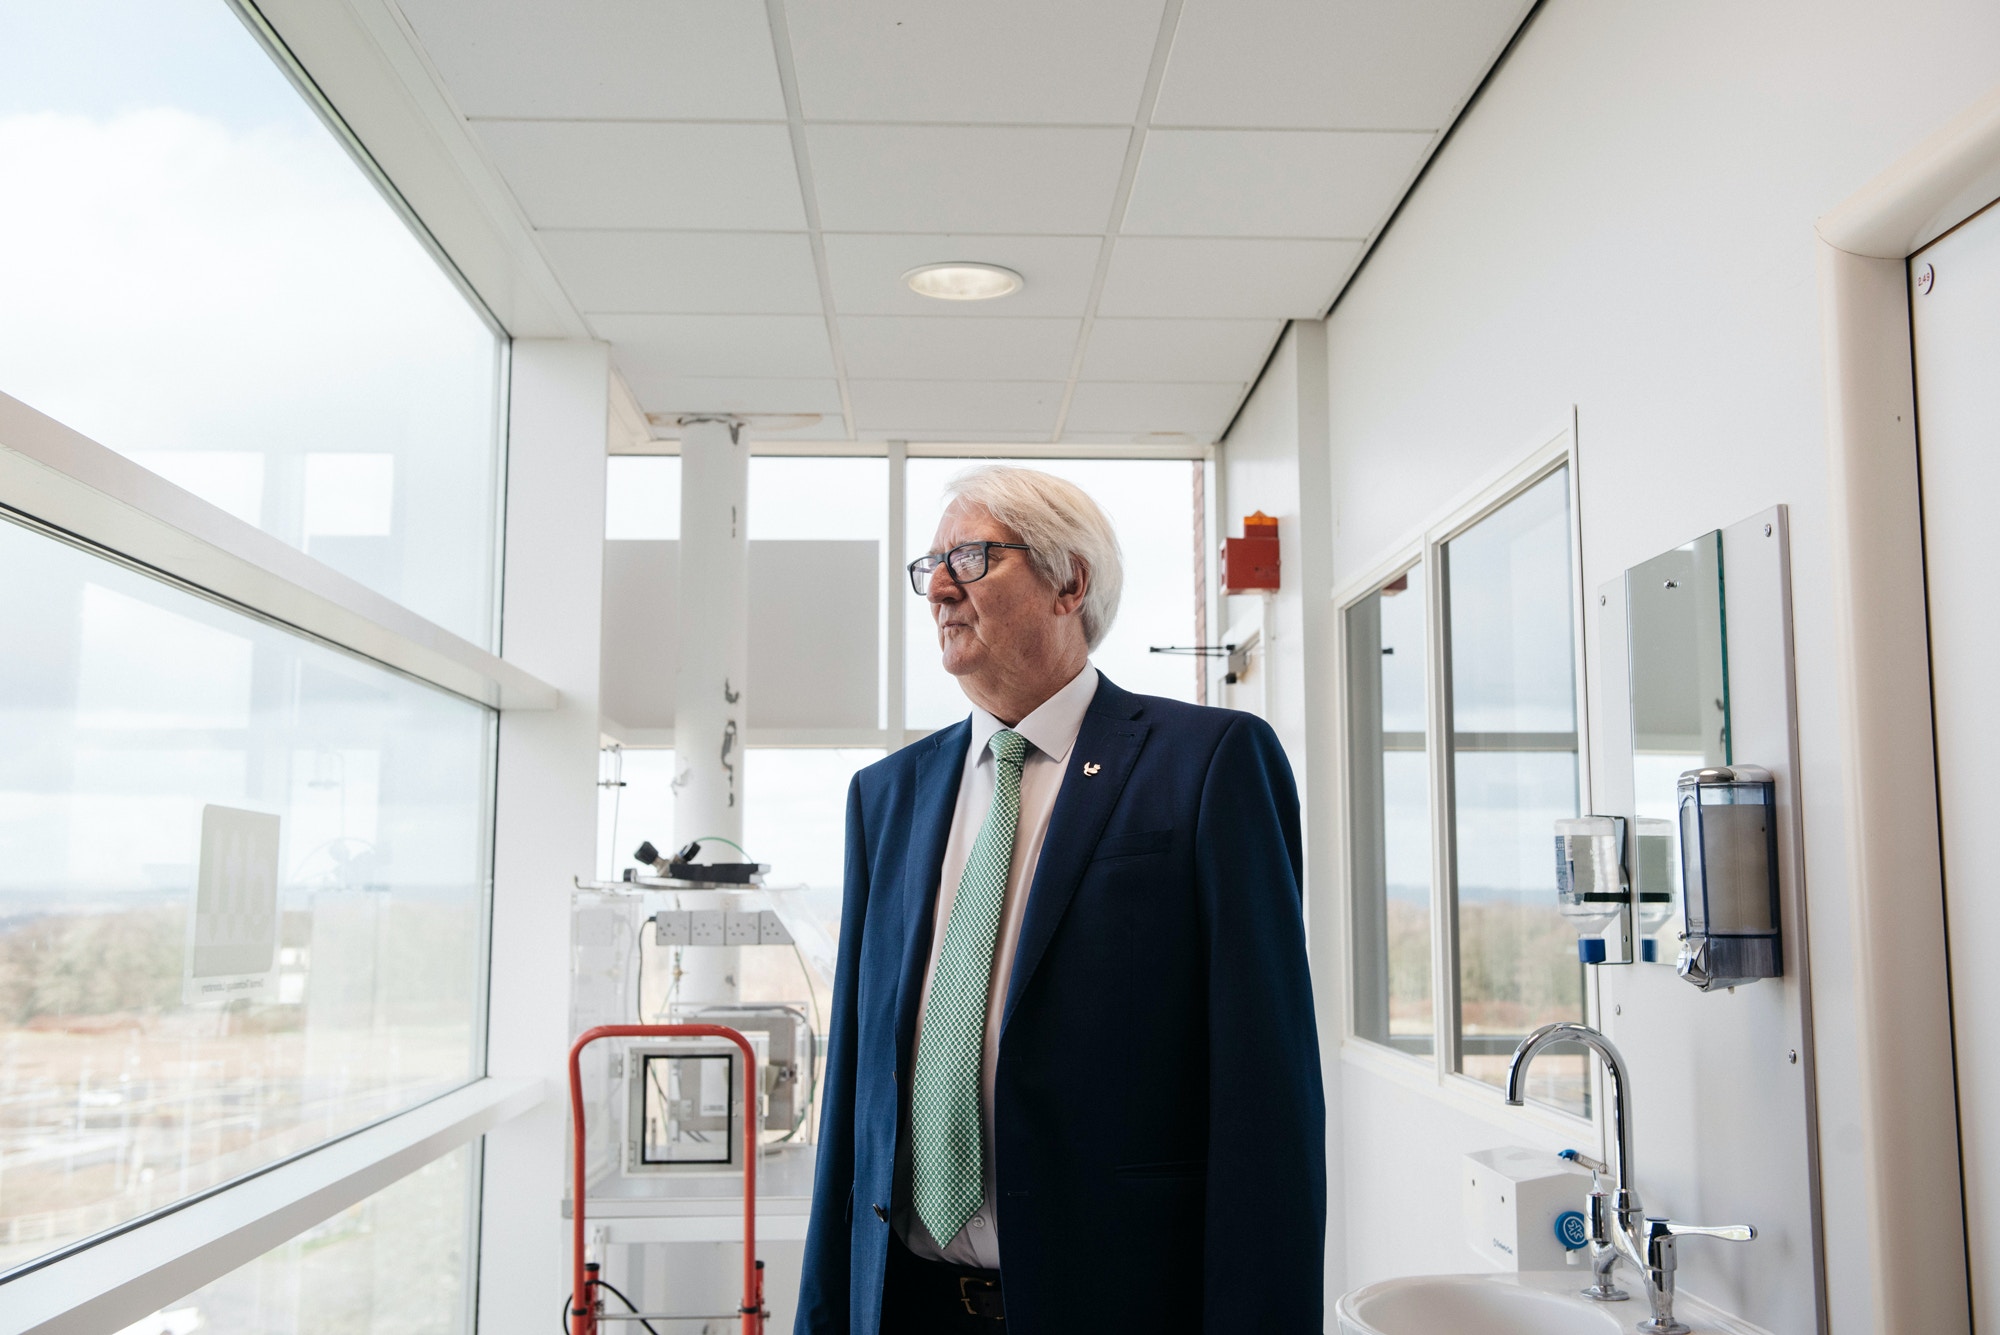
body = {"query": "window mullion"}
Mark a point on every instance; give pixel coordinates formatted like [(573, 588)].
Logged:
[(895, 610), (1444, 860)]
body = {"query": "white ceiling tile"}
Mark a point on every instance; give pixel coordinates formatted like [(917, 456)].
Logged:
[(1329, 183), (754, 346), (933, 178), (831, 426), (672, 396), (693, 273), (927, 406), (907, 347), (1034, 61), (1224, 277), (613, 59), (1197, 409), (611, 174), (1137, 438), (1178, 349), (867, 273), (966, 437), (1331, 64)]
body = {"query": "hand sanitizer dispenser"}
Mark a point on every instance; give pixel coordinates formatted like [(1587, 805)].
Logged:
[(1591, 888), (1729, 876)]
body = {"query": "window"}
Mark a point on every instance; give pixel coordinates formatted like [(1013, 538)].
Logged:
[(1503, 657), (820, 675), (167, 1024), (1510, 642), (832, 514), (199, 276), (642, 498), (1152, 507), (398, 1263), (1389, 834)]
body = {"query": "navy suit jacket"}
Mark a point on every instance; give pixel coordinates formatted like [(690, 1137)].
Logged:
[(1159, 1125)]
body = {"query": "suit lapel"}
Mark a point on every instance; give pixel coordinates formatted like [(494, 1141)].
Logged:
[(938, 773), (1109, 740)]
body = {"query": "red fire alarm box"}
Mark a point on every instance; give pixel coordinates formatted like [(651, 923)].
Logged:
[(1250, 563)]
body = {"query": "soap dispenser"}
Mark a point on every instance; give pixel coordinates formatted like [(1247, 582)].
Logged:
[(1591, 887), (1729, 876)]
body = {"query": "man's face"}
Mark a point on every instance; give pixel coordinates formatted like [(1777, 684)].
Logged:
[(996, 625)]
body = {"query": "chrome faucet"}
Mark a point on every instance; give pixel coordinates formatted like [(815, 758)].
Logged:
[(1619, 1227)]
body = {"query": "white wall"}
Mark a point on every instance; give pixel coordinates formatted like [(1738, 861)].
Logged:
[(1623, 223)]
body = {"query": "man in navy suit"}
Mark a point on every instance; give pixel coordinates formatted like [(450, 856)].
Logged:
[(1073, 1079)]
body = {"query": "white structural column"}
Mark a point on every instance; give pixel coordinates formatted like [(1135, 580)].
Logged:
[(711, 726), (545, 809), (1326, 935)]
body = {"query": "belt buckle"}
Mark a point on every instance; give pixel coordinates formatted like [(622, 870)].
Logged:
[(980, 1297)]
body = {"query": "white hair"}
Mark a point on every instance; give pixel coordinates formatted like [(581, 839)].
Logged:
[(1063, 528)]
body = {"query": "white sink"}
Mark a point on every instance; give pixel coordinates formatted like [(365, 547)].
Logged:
[(1545, 1302)]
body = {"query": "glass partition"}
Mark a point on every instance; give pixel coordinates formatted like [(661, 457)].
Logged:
[(1151, 504), (242, 893), (1511, 651), (200, 275), (1388, 826), (398, 1263)]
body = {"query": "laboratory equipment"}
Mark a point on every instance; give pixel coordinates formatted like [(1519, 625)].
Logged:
[(664, 1147), (585, 1307), (1729, 876), (682, 866)]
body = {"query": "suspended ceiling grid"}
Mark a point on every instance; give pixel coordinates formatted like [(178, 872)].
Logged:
[(731, 190)]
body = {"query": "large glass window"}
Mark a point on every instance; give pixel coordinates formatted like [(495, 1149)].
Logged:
[(1152, 506), (833, 514), (200, 276), (242, 892), (398, 1263), (642, 497), (1389, 828), (1510, 637)]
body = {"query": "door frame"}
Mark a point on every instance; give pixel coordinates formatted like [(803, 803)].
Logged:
[(1908, 1094)]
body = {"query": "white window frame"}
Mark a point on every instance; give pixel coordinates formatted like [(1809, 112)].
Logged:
[(74, 490), (1437, 1074)]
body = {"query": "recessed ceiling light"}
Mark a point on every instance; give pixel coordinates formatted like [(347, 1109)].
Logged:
[(962, 281)]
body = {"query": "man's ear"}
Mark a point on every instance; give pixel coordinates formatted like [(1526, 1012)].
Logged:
[(1070, 597)]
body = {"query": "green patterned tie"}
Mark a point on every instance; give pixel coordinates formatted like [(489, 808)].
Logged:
[(947, 1147)]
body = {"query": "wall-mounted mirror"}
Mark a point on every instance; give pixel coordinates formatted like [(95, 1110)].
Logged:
[(1677, 639)]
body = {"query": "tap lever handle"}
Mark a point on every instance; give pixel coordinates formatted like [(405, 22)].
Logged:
[(1727, 1232), (1657, 1227)]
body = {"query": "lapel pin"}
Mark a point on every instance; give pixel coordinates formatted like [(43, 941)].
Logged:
[(1090, 768)]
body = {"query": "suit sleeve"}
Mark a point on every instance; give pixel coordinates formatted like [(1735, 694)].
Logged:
[(823, 1290), (1265, 1229)]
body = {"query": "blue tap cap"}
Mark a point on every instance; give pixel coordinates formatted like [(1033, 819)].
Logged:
[(1590, 949), (1572, 1230)]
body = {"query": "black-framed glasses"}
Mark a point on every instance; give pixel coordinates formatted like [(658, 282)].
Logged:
[(964, 563)]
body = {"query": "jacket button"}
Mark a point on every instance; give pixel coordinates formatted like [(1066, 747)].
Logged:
[(880, 1213)]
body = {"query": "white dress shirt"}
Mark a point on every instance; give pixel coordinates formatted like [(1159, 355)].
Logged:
[(1051, 732)]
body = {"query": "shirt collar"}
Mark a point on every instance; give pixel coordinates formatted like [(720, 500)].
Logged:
[(1052, 728)]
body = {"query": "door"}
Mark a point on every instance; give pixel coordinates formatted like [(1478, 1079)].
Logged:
[(1955, 315)]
